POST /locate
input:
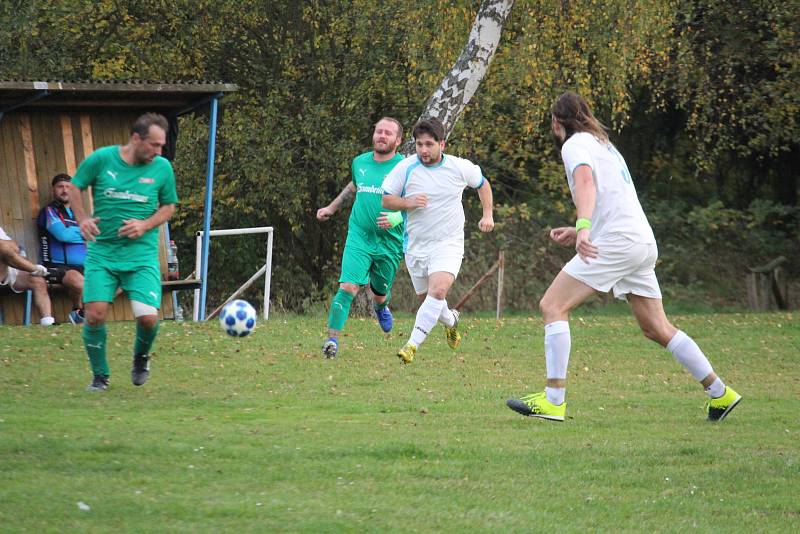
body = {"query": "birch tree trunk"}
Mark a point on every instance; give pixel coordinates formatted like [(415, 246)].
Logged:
[(456, 89)]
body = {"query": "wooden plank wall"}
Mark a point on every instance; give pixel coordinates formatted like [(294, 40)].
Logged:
[(34, 147)]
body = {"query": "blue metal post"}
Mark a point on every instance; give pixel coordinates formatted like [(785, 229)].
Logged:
[(28, 298), (212, 144)]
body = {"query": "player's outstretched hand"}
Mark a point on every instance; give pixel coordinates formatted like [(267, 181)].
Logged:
[(584, 247), (323, 214), (564, 235), (132, 228), (486, 224), (89, 228)]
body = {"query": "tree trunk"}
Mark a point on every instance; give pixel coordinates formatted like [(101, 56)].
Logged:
[(454, 93)]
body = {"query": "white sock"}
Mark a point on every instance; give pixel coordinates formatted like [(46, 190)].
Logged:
[(427, 315), (689, 355), (716, 389), (446, 317), (555, 395), (557, 344), (46, 321)]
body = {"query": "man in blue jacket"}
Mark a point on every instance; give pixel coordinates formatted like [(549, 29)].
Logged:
[(63, 249)]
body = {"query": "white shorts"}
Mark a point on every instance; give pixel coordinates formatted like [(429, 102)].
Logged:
[(621, 265), (10, 278), (421, 267)]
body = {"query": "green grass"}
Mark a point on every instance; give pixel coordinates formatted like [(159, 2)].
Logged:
[(261, 434)]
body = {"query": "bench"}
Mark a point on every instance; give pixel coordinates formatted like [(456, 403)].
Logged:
[(167, 286)]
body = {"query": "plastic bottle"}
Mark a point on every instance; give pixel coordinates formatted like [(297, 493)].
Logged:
[(179, 313), (173, 272)]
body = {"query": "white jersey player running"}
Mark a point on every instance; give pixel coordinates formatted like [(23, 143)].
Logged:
[(616, 251), (428, 188)]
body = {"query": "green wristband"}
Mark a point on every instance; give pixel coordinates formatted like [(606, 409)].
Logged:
[(394, 218), (581, 224)]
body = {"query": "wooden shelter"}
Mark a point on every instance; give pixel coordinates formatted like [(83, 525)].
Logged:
[(49, 127)]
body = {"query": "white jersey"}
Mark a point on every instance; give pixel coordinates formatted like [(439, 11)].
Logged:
[(3, 235), (617, 210), (439, 227)]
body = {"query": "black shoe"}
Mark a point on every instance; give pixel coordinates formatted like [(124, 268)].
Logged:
[(140, 370), (99, 383)]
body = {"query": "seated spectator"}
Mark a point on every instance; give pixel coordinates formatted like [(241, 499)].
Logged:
[(63, 250), (20, 274)]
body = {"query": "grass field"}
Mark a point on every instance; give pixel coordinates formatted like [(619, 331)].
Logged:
[(263, 435)]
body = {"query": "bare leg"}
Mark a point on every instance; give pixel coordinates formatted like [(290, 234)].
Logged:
[(439, 283), (96, 312), (73, 281), (9, 256), (564, 295), (649, 313), (147, 321), (38, 287)]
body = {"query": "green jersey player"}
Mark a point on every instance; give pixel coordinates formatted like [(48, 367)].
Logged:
[(133, 192), (374, 243)]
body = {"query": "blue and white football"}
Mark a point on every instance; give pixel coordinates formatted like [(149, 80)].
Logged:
[(238, 318)]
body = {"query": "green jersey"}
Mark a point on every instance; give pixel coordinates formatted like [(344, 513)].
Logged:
[(368, 176), (120, 192)]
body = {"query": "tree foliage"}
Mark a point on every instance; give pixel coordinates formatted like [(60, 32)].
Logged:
[(701, 96)]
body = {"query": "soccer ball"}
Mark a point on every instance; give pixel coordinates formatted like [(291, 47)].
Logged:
[(238, 318)]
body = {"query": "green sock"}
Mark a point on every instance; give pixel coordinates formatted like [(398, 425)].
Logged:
[(144, 338), (94, 339), (382, 305), (340, 309)]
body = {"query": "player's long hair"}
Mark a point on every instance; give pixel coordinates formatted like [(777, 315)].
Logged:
[(572, 111)]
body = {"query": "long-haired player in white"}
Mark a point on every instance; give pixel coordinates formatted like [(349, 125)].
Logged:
[(616, 250), (427, 187)]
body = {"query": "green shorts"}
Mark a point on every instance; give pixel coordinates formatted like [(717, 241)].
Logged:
[(142, 284), (361, 266)]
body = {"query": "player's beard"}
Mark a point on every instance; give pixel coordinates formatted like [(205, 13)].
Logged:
[(144, 160), (382, 149)]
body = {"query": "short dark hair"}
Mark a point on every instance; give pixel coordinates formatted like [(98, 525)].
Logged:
[(144, 122), (431, 126), (61, 177), (397, 122)]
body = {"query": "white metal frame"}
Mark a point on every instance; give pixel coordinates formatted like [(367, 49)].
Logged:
[(266, 268)]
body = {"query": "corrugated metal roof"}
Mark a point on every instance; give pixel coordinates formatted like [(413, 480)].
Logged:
[(88, 94)]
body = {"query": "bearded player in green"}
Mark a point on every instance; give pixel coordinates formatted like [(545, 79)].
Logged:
[(133, 190), (374, 244)]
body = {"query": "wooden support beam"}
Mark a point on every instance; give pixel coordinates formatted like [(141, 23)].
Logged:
[(87, 142), (501, 269), (30, 162), (69, 144)]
